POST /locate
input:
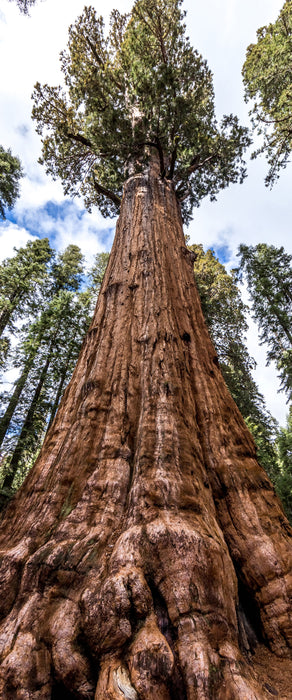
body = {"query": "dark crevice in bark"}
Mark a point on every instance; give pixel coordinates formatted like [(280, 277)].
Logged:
[(176, 688), (59, 692), (94, 666), (250, 627)]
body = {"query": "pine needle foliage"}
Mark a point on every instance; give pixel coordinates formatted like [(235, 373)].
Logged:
[(10, 175), (268, 272), (142, 89), (267, 76)]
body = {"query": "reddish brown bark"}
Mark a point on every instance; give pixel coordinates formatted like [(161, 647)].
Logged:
[(122, 552)]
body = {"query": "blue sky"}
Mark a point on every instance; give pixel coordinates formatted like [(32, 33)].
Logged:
[(221, 30)]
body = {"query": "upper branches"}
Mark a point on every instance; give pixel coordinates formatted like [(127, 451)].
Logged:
[(140, 89)]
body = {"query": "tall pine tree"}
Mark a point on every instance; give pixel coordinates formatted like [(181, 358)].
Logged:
[(268, 272), (22, 279), (267, 80), (44, 342), (10, 174)]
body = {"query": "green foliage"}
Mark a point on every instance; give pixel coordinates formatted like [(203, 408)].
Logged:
[(10, 174), (268, 271), (97, 271), (62, 327), (46, 357), (67, 270), (267, 79), (264, 433), (224, 313), (283, 480), (141, 90), (22, 279)]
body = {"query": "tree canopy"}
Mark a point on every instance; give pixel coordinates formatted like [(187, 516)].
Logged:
[(267, 80), (10, 174), (139, 90), (268, 272)]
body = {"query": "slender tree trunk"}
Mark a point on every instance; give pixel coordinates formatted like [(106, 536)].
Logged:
[(21, 382), (4, 320), (15, 298), (27, 427), (63, 380), (123, 550), (281, 319), (19, 386)]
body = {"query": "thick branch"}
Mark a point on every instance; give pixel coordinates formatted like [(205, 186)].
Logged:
[(107, 193), (184, 196), (95, 54), (196, 164), (80, 139), (172, 164), (161, 157), (156, 144), (161, 41)]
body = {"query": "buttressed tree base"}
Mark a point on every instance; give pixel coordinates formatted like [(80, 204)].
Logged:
[(146, 552)]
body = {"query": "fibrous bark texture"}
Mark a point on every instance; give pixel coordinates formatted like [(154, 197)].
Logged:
[(146, 549)]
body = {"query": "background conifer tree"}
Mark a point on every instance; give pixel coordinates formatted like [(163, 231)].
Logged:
[(267, 79), (225, 315), (268, 272), (10, 174), (23, 278)]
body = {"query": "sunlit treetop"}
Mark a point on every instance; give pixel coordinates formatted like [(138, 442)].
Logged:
[(139, 90), (267, 75)]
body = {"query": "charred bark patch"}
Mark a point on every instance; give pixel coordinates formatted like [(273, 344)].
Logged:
[(176, 685), (186, 337)]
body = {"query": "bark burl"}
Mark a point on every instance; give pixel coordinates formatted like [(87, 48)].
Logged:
[(147, 541)]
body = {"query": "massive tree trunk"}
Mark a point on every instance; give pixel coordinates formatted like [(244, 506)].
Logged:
[(147, 511)]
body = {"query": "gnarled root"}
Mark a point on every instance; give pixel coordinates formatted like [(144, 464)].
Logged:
[(158, 621)]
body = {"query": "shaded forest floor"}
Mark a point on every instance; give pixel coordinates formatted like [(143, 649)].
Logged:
[(272, 673)]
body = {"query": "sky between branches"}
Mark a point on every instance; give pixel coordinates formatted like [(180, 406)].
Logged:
[(221, 30)]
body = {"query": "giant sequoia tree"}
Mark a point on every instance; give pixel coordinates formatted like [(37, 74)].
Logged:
[(147, 532)]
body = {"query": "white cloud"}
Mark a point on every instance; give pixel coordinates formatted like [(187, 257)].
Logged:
[(12, 236)]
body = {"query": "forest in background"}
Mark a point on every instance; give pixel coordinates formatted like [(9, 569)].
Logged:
[(46, 304)]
